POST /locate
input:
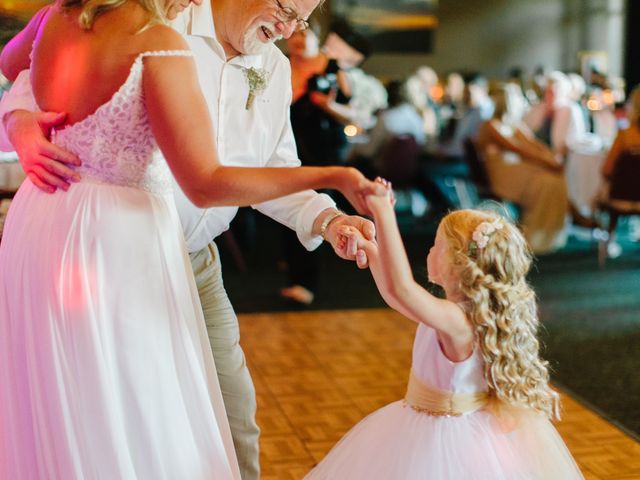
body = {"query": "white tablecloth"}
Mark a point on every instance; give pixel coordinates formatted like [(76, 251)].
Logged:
[(584, 179)]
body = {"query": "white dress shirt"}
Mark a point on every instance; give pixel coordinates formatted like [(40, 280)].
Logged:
[(258, 137)]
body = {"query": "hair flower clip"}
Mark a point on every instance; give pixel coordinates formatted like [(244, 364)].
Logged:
[(482, 233)]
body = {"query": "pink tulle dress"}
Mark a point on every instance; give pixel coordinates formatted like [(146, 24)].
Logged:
[(443, 430)]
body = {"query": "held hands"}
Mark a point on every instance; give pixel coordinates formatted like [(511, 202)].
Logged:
[(352, 236), (347, 234), (45, 164), (356, 188), (384, 199)]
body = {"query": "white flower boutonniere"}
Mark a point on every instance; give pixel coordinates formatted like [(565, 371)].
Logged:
[(257, 78)]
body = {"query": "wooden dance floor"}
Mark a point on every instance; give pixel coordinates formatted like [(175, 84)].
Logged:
[(318, 373)]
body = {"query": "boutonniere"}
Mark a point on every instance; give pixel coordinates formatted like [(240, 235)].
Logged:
[(257, 80)]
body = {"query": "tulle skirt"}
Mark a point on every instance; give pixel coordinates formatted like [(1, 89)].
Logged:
[(105, 367), (398, 443)]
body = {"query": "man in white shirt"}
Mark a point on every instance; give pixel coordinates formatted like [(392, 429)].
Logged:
[(229, 38)]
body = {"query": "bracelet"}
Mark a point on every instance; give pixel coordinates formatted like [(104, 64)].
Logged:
[(327, 221)]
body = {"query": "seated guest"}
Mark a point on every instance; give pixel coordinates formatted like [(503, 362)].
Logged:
[(523, 170), (420, 87), (452, 105), (478, 107), (558, 120), (454, 92), (522, 94), (627, 139), (400, 118)]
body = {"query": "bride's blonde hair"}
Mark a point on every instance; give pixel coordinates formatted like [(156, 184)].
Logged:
[(502, 308), (92, 9)]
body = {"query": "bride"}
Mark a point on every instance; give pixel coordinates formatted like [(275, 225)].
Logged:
[(105, 368)]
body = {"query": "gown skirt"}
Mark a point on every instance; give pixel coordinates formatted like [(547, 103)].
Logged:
[(399, 443), (105, 366)]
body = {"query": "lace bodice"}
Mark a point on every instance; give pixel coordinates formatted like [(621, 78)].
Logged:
[(115, 143)]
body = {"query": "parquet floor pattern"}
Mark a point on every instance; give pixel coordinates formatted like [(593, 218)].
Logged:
[(318, 373)]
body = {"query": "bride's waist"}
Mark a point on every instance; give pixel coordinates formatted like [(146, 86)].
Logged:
[(160, 184), (112, 163)]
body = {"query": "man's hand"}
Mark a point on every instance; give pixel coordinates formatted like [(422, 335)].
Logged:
[(347, 235), (46, 164), (355, 187)]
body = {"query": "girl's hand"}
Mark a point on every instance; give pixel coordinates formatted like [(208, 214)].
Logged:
[(356, 188), (385, 200), (367, 250)]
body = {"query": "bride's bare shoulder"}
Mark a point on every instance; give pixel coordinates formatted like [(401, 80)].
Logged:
[(162, 37)]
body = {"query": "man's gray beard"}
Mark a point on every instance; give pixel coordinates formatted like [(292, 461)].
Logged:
[(251, 44)]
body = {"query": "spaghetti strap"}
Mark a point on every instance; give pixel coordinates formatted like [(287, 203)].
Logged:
[(166, 53)]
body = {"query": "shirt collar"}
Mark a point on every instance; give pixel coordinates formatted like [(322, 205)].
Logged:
[(248, 61), (197, 20)]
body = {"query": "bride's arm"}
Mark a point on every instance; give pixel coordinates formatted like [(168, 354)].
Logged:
[(15, 55), (182, 126)]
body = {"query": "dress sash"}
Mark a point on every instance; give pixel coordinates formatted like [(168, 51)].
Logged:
[(425, 398)]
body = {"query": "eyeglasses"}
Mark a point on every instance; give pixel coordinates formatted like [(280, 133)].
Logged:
[(288, 14)]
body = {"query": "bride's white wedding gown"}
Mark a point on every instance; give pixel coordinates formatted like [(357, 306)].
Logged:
[(105, 366)]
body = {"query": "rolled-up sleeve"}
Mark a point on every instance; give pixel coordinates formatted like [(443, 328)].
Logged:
[(19, 97)]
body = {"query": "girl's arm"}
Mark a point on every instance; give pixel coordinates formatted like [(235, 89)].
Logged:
[(393, 276)]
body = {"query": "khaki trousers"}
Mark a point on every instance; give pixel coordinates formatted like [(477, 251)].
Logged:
[(237, 387)]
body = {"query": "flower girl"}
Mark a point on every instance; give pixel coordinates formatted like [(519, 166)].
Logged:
[(478, 403)]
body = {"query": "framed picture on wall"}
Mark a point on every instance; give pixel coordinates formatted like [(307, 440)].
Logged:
[(391, 26)]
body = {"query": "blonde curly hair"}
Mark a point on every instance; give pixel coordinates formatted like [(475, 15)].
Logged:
[(502, 309), (92, 9)]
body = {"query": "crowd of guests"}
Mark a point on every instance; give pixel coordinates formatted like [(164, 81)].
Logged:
[(523, 132)]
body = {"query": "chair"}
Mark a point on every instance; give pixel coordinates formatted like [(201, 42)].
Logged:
[(398, 163), (624, 195), (478, 171)]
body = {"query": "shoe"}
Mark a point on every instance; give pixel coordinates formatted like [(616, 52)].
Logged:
[(298, 294)]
